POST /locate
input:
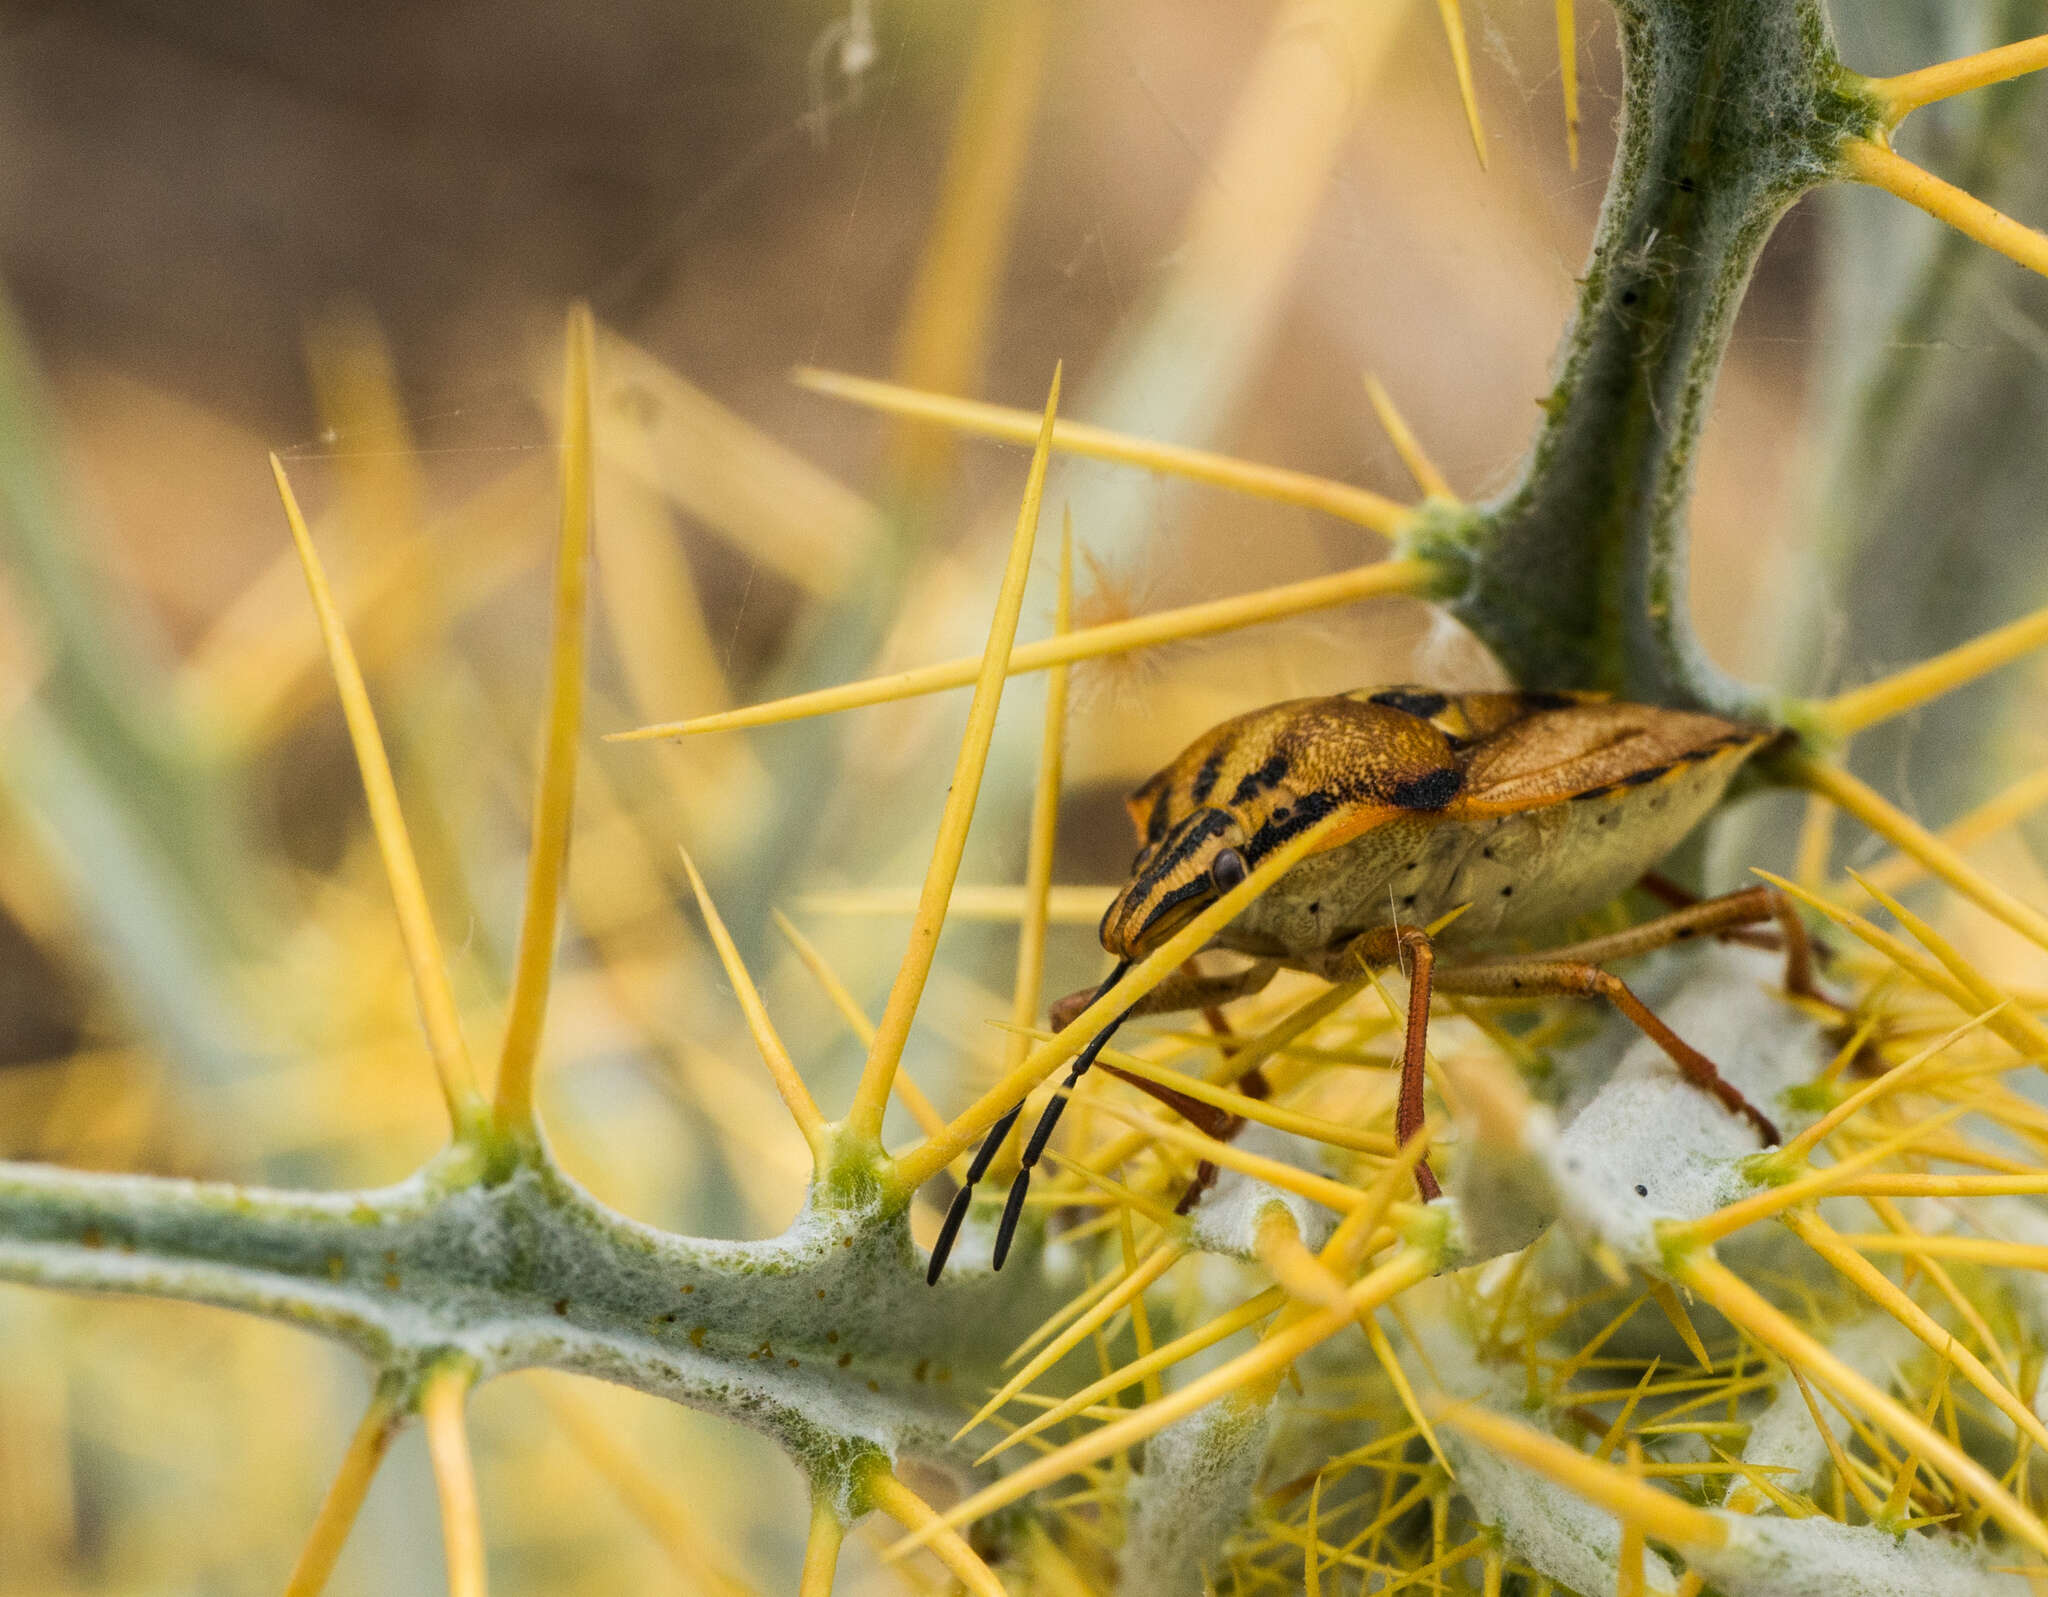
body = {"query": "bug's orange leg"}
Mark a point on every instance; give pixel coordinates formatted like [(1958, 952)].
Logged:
[(1710, 917), (1204, 1117), (1727, 916), (1409, 946), (1509, 978), (1667, 892), (1798, 948), (1186, 988), (1408, 1113)]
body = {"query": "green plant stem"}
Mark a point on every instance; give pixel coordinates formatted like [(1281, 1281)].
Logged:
[(825, 1338), (1731, 110)]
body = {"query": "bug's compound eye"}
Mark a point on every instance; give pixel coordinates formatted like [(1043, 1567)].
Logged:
[(1227, 870)]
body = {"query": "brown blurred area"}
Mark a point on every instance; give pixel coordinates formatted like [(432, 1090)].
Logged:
[(187, 187)]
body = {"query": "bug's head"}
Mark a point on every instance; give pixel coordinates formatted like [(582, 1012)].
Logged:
[(1243, 788), (1195, 863)]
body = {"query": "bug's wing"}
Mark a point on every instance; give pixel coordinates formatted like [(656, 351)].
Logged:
[(1585, 748)]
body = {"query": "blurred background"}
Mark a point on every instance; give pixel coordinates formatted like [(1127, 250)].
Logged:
[(349, 235)]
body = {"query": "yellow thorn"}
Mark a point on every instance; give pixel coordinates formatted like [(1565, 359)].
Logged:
[(1317, 1189), (1590, 1348), (1126, 1200), (1956, 965), (1630, 1571), (1164, 1256), (914, 1514), (922, 1109), (1275, 1353), (836, 990), (1083, 643), (1603, 1450), (466, 1108), (796, 1097), (1461, 60), (1980, 1250), (1881, 1290), (1311, 1572), (1911, 90), (344, 1497), (1845, 1469), (1080, 1302), (821, 1548), (1420, 466), (1902, 832), (1262, 1110), (1773, 1330), (1900, 953), (1996, 813), (1796, 1151), (1630, 1500), (1667, 1299), (1879, 701), (554, 801), (919, 1164), (1359, 505), (1816, 843), (1898, 1501), (252, 669), (1045, 816), (1919, 1184), (462, 1532), (656, 1504), (1568, 72), (1141, 1321), (1821, 1183), (1352, 1240), (1878, 166), (1383, 1350), (871, 1096)]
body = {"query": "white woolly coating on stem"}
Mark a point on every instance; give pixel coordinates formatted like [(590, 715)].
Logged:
[(1228, 1215), (1547, 1526), (1770, 1557), (1645, 1126), (1195, 1491), (1784, 1445)]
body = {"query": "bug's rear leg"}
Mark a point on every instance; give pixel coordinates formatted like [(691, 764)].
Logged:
[(1731, 917), (1512, 978)]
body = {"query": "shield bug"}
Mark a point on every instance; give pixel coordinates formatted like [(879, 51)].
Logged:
[(1519, 811)]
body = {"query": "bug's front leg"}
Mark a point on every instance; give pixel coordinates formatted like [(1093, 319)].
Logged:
[(1410, 948), (1186, 988)]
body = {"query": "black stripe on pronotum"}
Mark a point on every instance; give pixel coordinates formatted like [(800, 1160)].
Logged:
[(1041, 1134)]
